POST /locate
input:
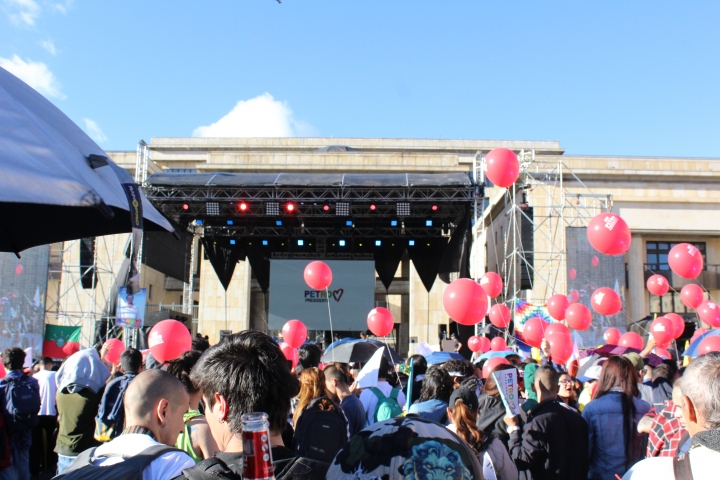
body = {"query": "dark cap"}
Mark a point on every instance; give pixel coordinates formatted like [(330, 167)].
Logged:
[(468, 397)]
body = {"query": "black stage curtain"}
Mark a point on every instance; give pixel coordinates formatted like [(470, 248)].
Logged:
[(456, 257), (260, 265), (387, 260), (223, 257), (426, 255)]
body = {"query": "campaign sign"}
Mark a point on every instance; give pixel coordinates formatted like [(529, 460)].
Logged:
[(130, 308), (508, 386)]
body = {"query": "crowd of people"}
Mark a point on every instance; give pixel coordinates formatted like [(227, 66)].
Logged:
[(622, 419)]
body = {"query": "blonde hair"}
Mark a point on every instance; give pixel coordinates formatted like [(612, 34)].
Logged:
[(312, 386)]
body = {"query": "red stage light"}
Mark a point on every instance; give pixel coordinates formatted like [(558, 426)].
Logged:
[(186, 206), (290, 207), (372, 207), (326, 207), (434, 207), (243, 207)]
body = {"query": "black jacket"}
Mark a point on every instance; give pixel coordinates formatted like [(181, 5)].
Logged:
[(553, 444), (491, 412)]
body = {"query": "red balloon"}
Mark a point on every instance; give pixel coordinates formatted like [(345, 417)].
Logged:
[(606, 301), (692, 295), (699, 332), (663, 331), (294, 333), (318, 275), (556, 306), (709, 344), (595, 261), (168, 340), (18, 269), (609, 234), (490, 365), (500, 315), (557, 329), (678, 322), (573, 297), (685, 260), (534, 331), (578, 316), (502, 167), (572, 273), (498, 344), (632, 340), (380, 321), (709, 313), (290, 354), (612, 336), (465, 301), (473, 344), (115, 348), (2, 371), (492, 284), (658, 285), (561, 347), (662, 353)]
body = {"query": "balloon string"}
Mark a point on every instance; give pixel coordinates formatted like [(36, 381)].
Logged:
[(392, 363), (332, 335)]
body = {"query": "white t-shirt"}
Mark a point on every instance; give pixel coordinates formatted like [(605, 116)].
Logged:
[(369, 400), (164, 467), (48, 389), (703, 462)]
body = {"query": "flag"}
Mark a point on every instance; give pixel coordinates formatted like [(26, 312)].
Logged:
[(61, 342)]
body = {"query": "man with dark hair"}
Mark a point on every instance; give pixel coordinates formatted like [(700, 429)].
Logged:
[(21, 403), (246, 373), (553, 444), (309, 357), (42, 450), (200, 344), (459, 370), (111, 413), (337, 383), (369, 397)]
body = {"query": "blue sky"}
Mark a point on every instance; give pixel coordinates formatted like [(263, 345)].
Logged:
[(608, 78)]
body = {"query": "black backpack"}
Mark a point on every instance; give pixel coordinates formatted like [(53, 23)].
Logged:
[(22, 403), (110, 420), (320, 434), (130, 469)]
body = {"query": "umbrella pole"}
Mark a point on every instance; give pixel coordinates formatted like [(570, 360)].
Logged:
[(332, 335)]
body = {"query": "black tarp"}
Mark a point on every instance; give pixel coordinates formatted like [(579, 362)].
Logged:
[(167, 254), (425, 256), (260, 264), (387, 260), (223, 257), (456, 257)]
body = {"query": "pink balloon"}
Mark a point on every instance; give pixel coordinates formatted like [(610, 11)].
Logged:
[(658, 285), (663, 331), (632, 340), (290, 354), (556, 306), (115, 348), (502, 167), (685, 260), (18, 269), (557, 329), (380, 321), (498, 344), (573, 297), (609, 234), (699, 332), (294, 333), (491, 364), (492, 284), (692, 295), (561, 347), (500, 315), (709, 344), (678, 322), (612, 336), (168, 340), (534, 331), (662, 353), (465, 301), (606, 301), (595, 261), (474, 344), (572, 273), (709, 313), (578, 316), (318, 275)]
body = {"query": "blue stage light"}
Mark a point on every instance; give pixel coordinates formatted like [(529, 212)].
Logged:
[(232, 242), (199, 222), (428, 223), (378, 243), (265, 242), (278, 223), (229, 222), (393, 223), (411, 243), (301, 242), (341, 243), (348, 223)]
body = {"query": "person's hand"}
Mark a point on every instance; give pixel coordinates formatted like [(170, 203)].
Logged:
[(511, 421), (651, 343), (545, 347), (353, 387)]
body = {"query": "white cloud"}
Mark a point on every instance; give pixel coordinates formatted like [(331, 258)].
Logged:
[(262, 116), (49, 46), (63, 7), (94, 130), (22, 11), (35, 74)]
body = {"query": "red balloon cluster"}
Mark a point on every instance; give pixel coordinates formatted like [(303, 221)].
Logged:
[(465, 301), (685, 260), (663, 331), (502, 167), (609, 234), (492, 284), (678, 322), (578, 316), (500, 315), (658, 285), (709, 344), (478, 344), (709, 313), (290, 354), (294, 333), (692, 295), (606, 301), (380, 321), (114, 348), (490, 365), (612, 336), (632, 340), (498, 344), (318, 275), (168, 340), (556, 306)]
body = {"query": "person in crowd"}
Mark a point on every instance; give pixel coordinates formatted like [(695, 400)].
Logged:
[(200, 344), (459, 371), (195, 439), (547, 357), (155, 402), (80, 383), (612, 417), (462, 412), (43, 442), (312, 386), (589, 381), (530, 395), (514, 359), (491, 409), (644, 389), (309, 357), (553, 442), (337, 384), (246, 373), (419, 364), (369, 397), (664, 427), (700, 386), (663, 378), (110, 419), (568, 393), (434, 397), (19, 430)]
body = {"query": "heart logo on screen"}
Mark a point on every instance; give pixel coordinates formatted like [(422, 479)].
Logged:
[(337, 294)]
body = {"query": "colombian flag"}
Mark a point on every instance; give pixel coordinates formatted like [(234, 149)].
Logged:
[(61, 342)]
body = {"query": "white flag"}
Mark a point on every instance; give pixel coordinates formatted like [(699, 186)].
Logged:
[(368, 376)]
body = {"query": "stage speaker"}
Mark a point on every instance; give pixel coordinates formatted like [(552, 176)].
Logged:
[(153, 318)]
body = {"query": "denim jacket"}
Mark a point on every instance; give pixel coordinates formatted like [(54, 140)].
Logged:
[(433, 409)]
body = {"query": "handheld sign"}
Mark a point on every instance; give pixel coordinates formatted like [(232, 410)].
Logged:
[(508, 387)]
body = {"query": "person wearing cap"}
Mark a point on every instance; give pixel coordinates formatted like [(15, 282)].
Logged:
[(644, 390), (462, 412), (589, 381), (553, 443), (530, 395)]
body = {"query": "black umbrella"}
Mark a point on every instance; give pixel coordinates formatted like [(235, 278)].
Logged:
[(359, 351)]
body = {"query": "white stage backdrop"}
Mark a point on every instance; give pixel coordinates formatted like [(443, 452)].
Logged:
[(352, 295)]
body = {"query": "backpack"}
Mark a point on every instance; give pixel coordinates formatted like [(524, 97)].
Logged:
[(22, 403), (320, 434), (387, 407), (130, 469), (110, 419)]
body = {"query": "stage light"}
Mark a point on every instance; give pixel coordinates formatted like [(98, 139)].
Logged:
[(348, 223), (372, 207), (278, 223), (342, 209), (434, 207), (243, 207), (428, 223), (199, 222), (411, 243), (290, 207), (229, 222), (393, 223), (341, 243), (301, 242), (326, 208), (212, 208), (272, 208), (264, 242), (403, 209), (378, 243), (186, 206), (232, 242)]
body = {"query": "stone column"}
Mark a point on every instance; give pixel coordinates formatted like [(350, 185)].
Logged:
[(637, 301)]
